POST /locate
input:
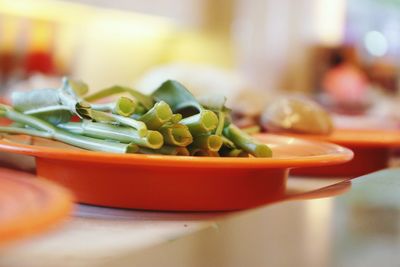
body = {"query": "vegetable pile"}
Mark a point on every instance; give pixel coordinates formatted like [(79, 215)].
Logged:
[(170, 121)]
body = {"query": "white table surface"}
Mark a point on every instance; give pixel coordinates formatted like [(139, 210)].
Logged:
[(96, 236)]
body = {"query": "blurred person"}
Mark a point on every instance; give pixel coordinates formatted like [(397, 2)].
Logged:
[(345, 85)]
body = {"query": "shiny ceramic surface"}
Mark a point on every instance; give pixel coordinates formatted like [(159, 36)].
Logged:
[(371, 149), (158, 182)]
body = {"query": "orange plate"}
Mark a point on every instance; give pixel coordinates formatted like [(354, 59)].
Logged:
[(158, 182), (371, 151), (29, 205)]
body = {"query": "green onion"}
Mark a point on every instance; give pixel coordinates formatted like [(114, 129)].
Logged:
[(228, 143), (31, 121), (104, 117), (221, 123), (64, 136), (146, 101), (201, 123), (207, 142), (27, 131), (176, 96), (53, 114), (122, 134), (140, 110), (70, 96), (94, 144), (24, 101), (147, 122), (43, 103), (176, 134), (176, 118), (227, 152), (245, 142), (122, 106), (159, 114)]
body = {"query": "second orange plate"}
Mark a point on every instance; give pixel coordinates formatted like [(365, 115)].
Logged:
[(158, 182), (372, 151)]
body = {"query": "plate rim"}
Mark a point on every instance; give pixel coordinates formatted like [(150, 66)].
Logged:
[(359, 142), (343, 155)]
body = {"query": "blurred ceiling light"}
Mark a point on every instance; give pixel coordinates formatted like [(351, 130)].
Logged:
[(376, 43), (329, 21)]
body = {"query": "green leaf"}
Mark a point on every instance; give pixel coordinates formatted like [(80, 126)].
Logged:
[(39, 98), (176, 96), (42, 103)]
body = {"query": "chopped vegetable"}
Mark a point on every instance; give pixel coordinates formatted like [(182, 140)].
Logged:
[(201, 123), (159, 114), (122, 106), (177, 96), (50, 131), (121, 134), (176, 134), (208, 142), (171, 121), (245, 142), (146, 101)]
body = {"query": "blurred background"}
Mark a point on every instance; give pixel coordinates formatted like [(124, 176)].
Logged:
[(343, 53)]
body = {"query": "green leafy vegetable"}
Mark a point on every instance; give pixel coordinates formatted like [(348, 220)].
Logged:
[(176, 96), (171, 121), (50, 131)]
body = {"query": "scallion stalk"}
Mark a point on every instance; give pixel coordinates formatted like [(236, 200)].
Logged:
[(246, 142), (221, 122), (176, 118), (123, 106), (207, 142), (159, 114), (122, 134), (24, 119), (27, 131), (176, 134), (228, 152), (64, 136), (201, 123), (105, 117), (145, 100)]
